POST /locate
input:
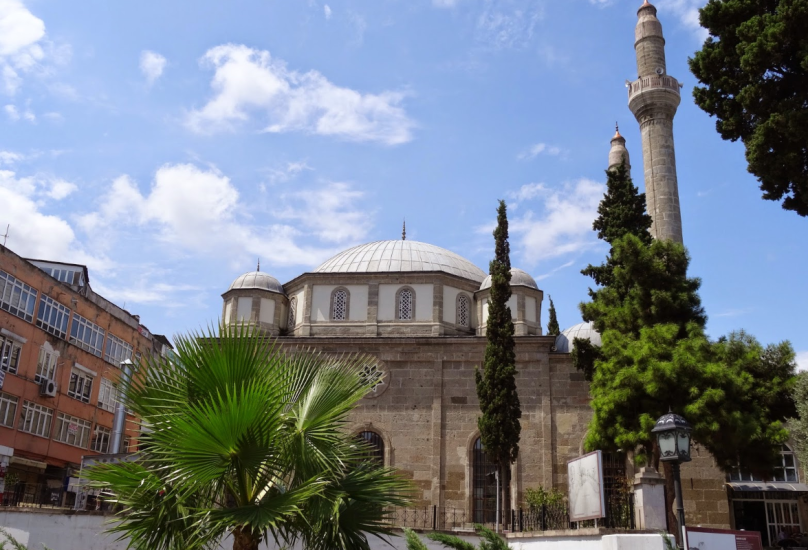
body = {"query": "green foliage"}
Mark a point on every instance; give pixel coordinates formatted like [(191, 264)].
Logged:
[(538, 497), (656, 356), (621, 211), (552, 326), (798, 426), (496, 381), (584, 355), (414, 542), (244, 438), (489, 540), (13, 543), (754, 68)]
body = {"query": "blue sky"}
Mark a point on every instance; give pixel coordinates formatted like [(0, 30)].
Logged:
[(169, 145)]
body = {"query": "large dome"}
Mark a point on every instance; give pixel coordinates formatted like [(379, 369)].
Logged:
[(257, 279), (518, 278), (585, 330), (400, 256)]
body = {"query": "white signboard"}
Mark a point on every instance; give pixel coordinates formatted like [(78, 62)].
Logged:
[(587, 498), (699, 538)]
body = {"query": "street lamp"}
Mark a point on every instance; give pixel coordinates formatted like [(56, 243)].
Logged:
[(673, 437)]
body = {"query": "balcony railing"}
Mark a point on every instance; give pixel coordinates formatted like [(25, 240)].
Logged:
[(648, 82)]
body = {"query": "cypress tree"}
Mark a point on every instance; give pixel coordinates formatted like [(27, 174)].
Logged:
[(496, 382), (552, 327)]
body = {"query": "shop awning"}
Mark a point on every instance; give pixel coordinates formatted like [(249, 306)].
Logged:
[(27, 462), (766, 486)]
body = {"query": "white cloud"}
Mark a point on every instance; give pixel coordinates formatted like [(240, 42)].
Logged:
[(290, 171), (59, 188), (802, 360), (248, 81), (562, 223), (14, 114), (554, 271), (444, 3), (11, 112), (152, 65), (509, 23), (327, 11), (20, 48), (601, 3), (201, 211), (9, 157), (329, 212), (538, 149), (687, 11)]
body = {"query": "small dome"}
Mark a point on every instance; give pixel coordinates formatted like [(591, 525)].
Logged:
[(586, 330), (257, 279), (518, 278), (400, 257)]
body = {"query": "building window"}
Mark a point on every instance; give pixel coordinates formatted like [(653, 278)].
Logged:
[(81, 385), (406, 304), (17, 297), (484, 486), (117, 350), (86, 335), (52, 317), (46, 365), (35, 419), (101, 437), (8, 410), (339, 304), (9, 354), (375, 445), (463, 310), (72, 430), (372, 375), (292, 312), (787, 469), (107, 395), (244, 310)]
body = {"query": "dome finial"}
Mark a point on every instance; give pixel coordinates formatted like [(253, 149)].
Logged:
[(259, 265), (616, 131), (404, 230)]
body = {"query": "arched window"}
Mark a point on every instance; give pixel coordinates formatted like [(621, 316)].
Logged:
[(292, 312), (339, 304), (483, 486), (376, 445), (406, 304), (463, 310)]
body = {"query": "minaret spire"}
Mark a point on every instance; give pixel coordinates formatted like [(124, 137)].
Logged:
[(618, 153), (404, 231), (259, 265), (653, 99)]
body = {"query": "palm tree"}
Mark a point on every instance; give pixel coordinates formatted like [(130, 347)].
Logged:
[(489, 540), (242, 438)]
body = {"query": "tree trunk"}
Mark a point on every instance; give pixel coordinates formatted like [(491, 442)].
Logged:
[(505, 496), (243, 539)]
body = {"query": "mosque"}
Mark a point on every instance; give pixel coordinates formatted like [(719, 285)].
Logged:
[(420, 310)]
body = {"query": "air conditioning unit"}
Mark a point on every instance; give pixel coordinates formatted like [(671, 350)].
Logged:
[(48, 388)]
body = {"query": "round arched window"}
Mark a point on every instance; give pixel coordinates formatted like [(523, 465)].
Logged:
[(375, 445)]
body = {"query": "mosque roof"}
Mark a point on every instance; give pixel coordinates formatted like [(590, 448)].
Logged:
[(518, 278), (257, 279), (400, 256), (585, 330)]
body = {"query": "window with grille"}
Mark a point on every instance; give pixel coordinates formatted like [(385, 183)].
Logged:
[(107, 395), (292, 312), (17, 297), (484, 485), (117, 350), (35, 419), (81, 385), (52, 317), (72, 430), (787, 469), (375, 446), (8, 410), (340, 305), (9, 354), (101, 437), (463, 310), (373, 376), (46, 364), (86, 335), (406, 304)]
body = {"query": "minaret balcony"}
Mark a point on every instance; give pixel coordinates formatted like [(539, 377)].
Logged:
[(662, 90)]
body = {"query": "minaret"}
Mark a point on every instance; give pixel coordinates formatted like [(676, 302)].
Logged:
[(618, 152), (653, 98)]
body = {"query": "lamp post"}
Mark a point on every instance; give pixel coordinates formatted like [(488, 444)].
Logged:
[(673, 436)]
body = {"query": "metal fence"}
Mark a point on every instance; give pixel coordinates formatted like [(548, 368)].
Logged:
[(619, 515), (34, 495)]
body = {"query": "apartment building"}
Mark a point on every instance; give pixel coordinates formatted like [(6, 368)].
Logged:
[(61, 346)]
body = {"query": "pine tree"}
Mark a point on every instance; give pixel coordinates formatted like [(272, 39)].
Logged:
[(552, 327), (621, 211), (496, 382)]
